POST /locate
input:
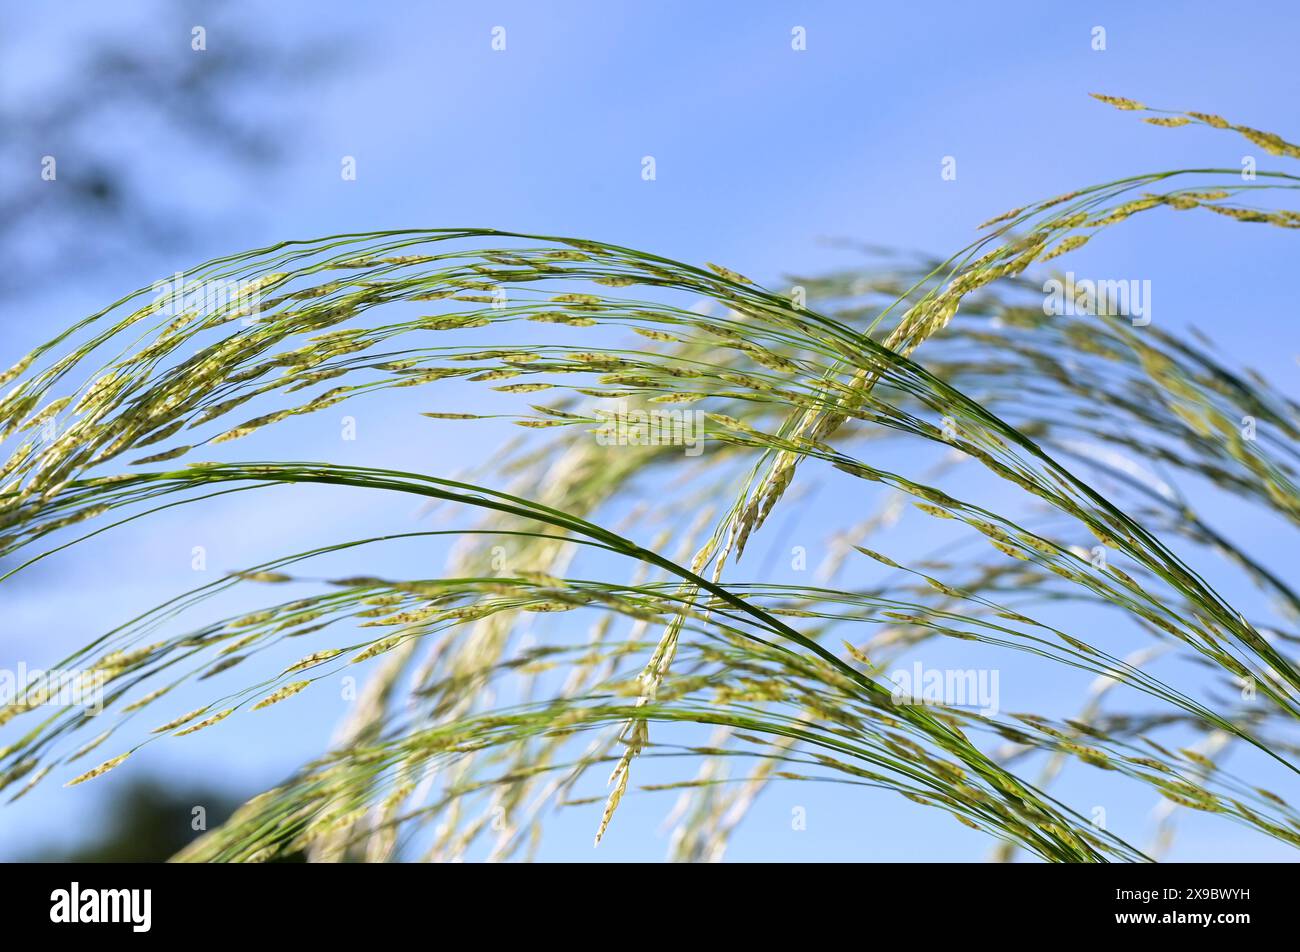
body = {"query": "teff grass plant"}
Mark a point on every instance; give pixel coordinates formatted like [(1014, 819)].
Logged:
[(463, 723)]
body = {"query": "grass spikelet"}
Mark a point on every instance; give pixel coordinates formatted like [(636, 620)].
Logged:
[(933, 510), (858, 655), (146, 700), (1119, 102), (559, 317), (266, 578), (654, 334), (275, 697), (883, 559), (313, 659), (998, 219), (103, 768), (1066, 245), (162, 457), (377, 648), (619, 780), (678, 398), (183, 719), (51, 410), (523, 387), (89, 746), (728, 274), (206, 722), (16, 370)]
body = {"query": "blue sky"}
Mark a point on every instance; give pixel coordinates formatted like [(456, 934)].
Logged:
[(761, 152)]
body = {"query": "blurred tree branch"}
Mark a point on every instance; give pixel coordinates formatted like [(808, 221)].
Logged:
[(116, 109)]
